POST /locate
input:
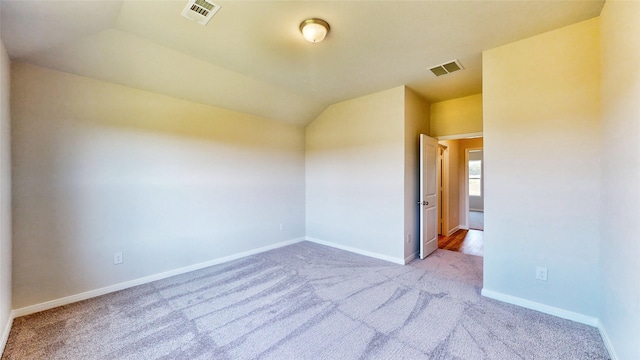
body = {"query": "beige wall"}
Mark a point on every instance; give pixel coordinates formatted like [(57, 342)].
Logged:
[(541, 100), (619, 244), (101, 168), (5, 198), (355, 175), (457, 116), (416, 123)]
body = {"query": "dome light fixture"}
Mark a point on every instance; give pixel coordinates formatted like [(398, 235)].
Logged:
[(314, 30)]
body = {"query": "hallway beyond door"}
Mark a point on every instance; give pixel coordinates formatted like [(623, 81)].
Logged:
[(476, 220), (464, 241)]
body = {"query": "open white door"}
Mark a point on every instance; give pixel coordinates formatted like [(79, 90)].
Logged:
[(428, 195)]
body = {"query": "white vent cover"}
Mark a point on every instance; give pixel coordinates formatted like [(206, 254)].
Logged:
[(200, 11), (447, 68)]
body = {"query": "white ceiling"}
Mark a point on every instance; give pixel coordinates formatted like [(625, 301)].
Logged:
[(252, 58)]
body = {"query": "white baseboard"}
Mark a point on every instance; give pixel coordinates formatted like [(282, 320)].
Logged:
[(450, 232), (607, 342), (128, 284), (5, 332), (565, 314), (410, 258), (358, 251)]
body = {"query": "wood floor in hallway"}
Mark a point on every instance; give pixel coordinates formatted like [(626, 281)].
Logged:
[(465, 241)]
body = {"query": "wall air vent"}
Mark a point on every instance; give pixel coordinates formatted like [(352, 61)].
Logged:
[(446, 68), (200, 11)]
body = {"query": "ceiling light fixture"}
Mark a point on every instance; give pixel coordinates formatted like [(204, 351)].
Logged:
[(314, 30)]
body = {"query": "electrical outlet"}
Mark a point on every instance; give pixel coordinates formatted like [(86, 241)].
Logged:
[(408, 238), (541, 273), (281, 227), (117, 258)]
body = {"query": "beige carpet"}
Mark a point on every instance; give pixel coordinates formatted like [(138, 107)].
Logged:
[(306, 301)]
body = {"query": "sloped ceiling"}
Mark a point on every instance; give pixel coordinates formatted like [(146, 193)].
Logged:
[(252, 58)]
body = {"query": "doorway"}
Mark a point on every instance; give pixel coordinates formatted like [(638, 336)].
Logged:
[(462, 185)]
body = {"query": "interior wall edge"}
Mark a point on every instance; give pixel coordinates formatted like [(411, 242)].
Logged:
[(607, 341), (6, 217), (6, 331), (410, 258)]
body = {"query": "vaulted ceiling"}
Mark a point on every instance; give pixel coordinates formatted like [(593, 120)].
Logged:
[(252, 58)]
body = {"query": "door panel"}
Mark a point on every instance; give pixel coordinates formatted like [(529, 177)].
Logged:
[(428, 195)]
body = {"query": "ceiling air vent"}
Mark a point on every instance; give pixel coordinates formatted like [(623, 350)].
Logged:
[(200, 11), (447, 68)]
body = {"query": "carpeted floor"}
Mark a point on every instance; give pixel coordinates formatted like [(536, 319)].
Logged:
[(305, 301)]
